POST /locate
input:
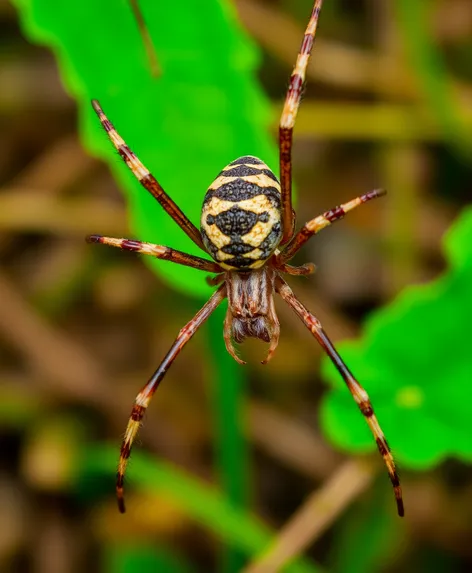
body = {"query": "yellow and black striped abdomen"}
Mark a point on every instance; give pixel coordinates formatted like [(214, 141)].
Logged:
[(241, 222)]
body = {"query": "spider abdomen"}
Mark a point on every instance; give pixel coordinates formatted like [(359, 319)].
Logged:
[(241, 219)]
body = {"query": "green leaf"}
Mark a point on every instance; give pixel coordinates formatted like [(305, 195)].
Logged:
[(205, 110), (415, 362), (205, 504)]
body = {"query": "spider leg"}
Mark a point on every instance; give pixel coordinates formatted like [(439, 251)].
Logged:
[(319, 223), (144, 397), (301, 271), (358, 393), (147, 180), (216, 280), (158, 251), (287, 121)]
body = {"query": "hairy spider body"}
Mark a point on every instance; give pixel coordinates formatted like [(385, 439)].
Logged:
[(241, 217), (247, 227)]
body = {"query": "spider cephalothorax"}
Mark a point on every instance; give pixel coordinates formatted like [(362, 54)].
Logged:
[(247, 227), (251, 310)]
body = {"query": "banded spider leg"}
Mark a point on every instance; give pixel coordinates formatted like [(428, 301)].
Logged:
[(358, 393), (287, 122), (147, 180), (147, 392)]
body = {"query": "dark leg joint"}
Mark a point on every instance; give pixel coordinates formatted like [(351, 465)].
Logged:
[(367, 410), (137, 413), (125, 450), (336, 213), (130, 245), (119, 493), (216, 280), (383, 447), (400, 507), (93, 239)]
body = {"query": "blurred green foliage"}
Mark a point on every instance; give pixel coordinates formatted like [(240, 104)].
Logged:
[(144, 558), (203, 503), (415, 361)]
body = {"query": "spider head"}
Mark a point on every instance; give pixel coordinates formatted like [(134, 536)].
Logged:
[(241, 219)]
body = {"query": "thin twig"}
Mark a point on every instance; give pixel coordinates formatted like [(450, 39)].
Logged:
[(147, 39), (32, 210), (316, 515), (60, 166)]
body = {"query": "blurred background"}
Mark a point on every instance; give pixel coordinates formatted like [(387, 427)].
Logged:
[(83, 327)]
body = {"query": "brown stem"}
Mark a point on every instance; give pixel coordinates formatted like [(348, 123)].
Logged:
[(316, 515)]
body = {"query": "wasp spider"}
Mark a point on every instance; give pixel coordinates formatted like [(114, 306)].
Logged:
[(247, 227)]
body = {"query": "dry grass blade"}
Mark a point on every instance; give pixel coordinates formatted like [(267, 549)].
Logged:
[(316, 515), (59, 166), (367, 122), (29, 210)]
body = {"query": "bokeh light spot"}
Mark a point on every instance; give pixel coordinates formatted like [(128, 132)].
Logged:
[(410, 397)]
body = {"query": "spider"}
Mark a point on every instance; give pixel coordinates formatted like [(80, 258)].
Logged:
[(248, 229)]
